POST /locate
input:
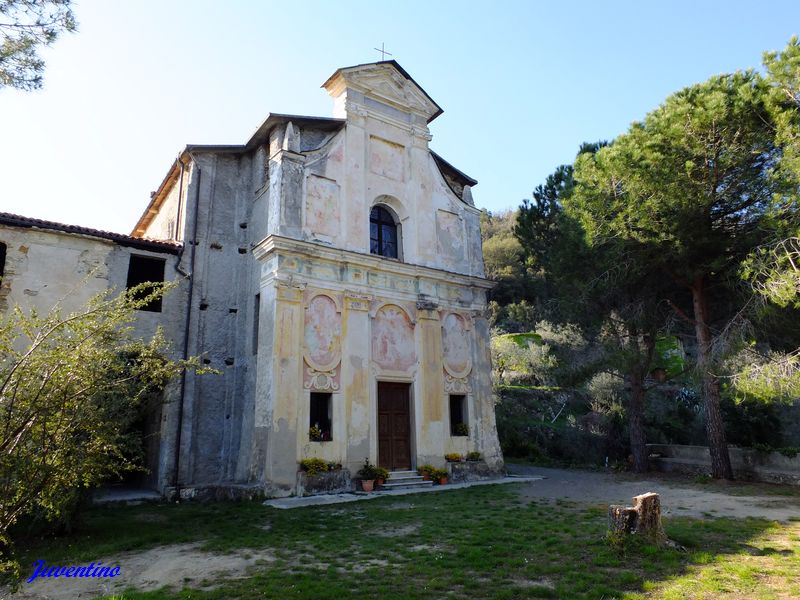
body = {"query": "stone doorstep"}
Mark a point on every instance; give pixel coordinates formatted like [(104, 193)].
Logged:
[(404, 480), (421, 483), (403, 475)]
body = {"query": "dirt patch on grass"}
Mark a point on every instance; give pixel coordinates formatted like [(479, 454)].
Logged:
[(391, 532), (401, 506), (678, 498), (361, 566), (174, 565), (533, 583)]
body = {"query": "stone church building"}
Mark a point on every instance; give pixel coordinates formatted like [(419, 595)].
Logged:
[(329, 268)]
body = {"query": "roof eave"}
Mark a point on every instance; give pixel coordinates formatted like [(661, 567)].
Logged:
[(13, 220)]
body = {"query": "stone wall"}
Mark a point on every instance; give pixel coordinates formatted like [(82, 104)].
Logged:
[(748, 464)]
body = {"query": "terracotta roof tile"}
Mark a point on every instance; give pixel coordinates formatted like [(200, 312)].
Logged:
[(170, 247)]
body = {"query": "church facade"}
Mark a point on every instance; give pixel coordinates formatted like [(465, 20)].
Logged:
[(331, 270)]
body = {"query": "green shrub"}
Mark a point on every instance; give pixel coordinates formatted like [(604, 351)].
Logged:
[(313, 466), (72, 386), (790, 451), (749, 421)]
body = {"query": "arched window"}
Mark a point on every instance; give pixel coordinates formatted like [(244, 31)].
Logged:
[(382, 233)]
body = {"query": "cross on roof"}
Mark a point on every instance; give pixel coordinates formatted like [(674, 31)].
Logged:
[(383, 52)]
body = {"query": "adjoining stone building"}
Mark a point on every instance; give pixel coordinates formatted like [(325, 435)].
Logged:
[(330, 268)]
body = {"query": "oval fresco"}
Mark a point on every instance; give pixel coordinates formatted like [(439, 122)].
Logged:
[(456, 345), (322, 333), (393, 339)]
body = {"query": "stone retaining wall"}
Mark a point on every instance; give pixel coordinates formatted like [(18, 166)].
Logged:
[(332, 482), (747, 463), (477, 470)]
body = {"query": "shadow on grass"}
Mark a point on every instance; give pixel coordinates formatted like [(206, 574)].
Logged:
[(483, 542)]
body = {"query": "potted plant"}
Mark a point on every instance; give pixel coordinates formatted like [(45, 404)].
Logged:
[(381, 475), (461, 429), (367, 474), (425, 471), (473, 456), (315, 433), (440, 476), (453, 457)]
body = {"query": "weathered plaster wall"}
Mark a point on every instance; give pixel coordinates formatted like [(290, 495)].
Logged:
[(46, 267), (219, 410), (168, 222)]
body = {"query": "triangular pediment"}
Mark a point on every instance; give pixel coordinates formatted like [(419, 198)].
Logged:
[(385, 82)]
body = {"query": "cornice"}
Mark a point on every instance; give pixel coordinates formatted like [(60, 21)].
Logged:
[(279, 244)]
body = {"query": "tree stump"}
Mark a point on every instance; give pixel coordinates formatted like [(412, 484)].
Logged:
[(643, 518)]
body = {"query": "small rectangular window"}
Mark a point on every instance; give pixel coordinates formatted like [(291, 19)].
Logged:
[(256, 317), (458, 415), (319, 426), (144, 269)]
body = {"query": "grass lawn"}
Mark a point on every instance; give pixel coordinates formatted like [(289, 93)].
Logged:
[(483, 542)]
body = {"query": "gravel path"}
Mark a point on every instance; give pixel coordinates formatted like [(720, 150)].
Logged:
[(678, 497)]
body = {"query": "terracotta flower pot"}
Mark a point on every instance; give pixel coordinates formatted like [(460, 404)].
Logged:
[(367, 484), (443, 481), (380, 481), (426, 477)]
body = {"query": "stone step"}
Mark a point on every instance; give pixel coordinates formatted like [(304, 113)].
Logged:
[(403, 475), (405, 483)]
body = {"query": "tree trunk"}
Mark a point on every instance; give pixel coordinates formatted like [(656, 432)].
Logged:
[(643, 519), (715, 429), (636, 400), (636, 422), (648, 517)]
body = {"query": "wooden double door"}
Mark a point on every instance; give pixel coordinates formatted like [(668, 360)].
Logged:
[(394, 426)]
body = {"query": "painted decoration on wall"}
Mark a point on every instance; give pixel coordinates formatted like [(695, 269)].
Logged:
[(321, 380), (450, 234), (456, 345), (386, 158), (393, 339), (322, 205), (323, 332)]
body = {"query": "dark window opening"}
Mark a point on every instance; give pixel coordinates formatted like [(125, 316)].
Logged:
[(319, 427), (2, 259), (143, 269), (458, 415), (256, 316), (382, 233)]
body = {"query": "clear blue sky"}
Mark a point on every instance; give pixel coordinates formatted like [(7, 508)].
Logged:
[(522, 84)]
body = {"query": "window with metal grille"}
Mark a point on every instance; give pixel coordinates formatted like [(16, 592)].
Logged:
[(382, 233)]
